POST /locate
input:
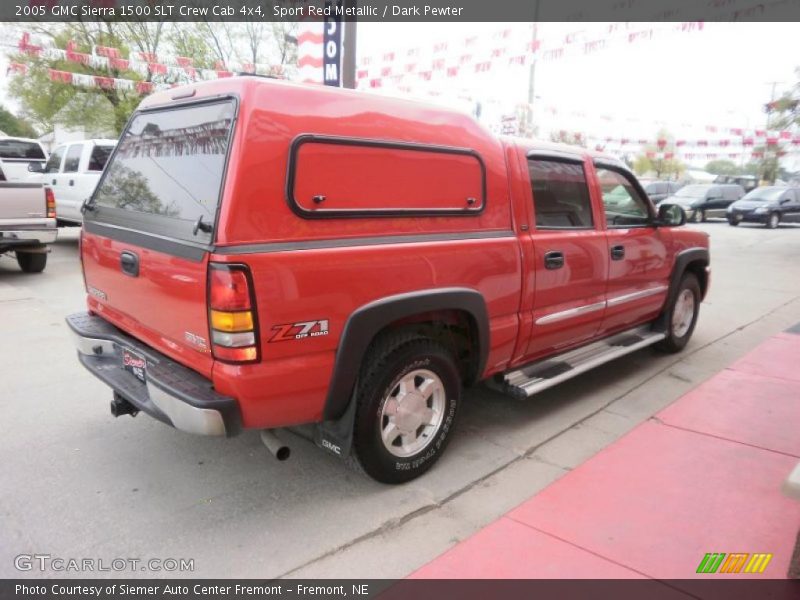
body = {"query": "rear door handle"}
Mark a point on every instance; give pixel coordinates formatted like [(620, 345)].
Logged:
[(129, 263), (553, 260), (54, 181), (72, 182), (617, 252)]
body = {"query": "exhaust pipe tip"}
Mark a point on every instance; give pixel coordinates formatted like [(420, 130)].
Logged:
[(276, 447)]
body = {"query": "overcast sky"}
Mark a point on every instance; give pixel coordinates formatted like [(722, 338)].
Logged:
[(721, 75)]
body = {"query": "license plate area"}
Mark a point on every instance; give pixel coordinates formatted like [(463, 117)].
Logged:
[(134, 363)]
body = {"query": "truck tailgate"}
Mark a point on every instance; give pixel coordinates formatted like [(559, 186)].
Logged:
[(22, 201), (163, 304)]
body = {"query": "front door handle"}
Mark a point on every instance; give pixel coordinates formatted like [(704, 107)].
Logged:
[(72, 182), (54, 181), (553, 260), (617, 252)]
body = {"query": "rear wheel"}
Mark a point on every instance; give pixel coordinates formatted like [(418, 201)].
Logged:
[(31, 262), (773, 220), (681, 315), (406, 404), (733, 222), (699, 216)]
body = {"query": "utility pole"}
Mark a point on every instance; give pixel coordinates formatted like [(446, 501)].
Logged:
[(349, 49), (766, 162), (532, 72)]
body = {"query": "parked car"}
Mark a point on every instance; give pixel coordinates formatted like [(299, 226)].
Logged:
[(27, 222), (701, 201), (355, 267), (748, 182), (18, 156), (72, 172), (659, 190), (770, 205)]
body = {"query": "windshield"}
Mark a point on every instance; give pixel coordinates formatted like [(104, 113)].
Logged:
[(765, 194), (20, 149), (167, 172), (692, 191)]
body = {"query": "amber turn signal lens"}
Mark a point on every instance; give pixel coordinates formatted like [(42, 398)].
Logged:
[(232, 321)]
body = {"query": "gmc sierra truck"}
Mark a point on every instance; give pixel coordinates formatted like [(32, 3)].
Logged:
[(260, 255)]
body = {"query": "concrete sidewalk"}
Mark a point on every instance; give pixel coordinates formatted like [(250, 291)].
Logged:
[(702, 476)]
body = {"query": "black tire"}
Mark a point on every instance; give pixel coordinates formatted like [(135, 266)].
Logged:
[(677, 340), (699, 216), (733, 222), (773, 220), (387, 364), (31, 262)]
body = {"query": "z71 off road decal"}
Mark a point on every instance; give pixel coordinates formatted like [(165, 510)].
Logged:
[(299, 331)]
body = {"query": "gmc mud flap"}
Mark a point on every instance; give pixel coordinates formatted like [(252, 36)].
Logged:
[(336, 437)]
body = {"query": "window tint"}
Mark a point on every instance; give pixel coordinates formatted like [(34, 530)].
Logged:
[(19, 149), (99, 157), (623, 204), (73, 160), (560, 195), (55, 160), (167, 171)]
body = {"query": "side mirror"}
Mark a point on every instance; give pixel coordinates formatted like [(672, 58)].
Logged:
[(670, 215), (35, 167)]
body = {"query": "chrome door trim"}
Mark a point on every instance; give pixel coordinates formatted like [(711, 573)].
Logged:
[(636, 295), (571, 312)]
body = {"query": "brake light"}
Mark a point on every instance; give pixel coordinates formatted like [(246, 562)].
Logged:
[(50, 201), (231, 313)]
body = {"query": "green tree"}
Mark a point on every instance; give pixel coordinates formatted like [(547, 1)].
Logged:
[(658, 163), (722, 167), (43, 100), (12, 125)]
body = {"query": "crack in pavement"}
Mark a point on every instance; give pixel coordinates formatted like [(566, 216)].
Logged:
[(397, 522)]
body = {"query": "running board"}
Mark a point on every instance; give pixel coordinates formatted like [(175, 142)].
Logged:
[(538, 376)]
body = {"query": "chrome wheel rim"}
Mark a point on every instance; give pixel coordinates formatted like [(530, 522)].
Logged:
[(412, 413), (773, 221), (683, 313)]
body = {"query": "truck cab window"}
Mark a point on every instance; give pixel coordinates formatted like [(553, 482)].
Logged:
[(623, 204), (560, 195), (54, 162), (73, 159)]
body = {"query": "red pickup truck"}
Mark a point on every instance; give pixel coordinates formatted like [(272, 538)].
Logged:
[(261, 254)]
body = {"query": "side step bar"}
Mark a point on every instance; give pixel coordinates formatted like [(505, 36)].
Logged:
[(538, 376)]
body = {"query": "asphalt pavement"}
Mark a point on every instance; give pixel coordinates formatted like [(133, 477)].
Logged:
[(77, 483)]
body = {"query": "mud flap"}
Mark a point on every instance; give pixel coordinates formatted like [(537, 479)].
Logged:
[(336, 437)]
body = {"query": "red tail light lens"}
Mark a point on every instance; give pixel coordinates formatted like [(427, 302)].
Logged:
[(232, 314), (230, 289), (50, 201)]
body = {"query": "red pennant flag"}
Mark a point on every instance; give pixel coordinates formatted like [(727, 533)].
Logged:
[(111, 53), (60, 76), (120, 64), (105, 83), (144, 87)]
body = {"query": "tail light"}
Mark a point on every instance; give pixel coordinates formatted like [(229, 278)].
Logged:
[(50, 201), (232, 314)]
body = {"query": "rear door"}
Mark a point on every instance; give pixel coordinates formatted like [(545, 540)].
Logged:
[(637, 252), (149, 225), (569, 261), (790, 206), (67, 205)]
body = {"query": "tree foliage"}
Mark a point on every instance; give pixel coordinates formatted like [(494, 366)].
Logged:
[(657, 163), (44, 102), (722, 167), (12, 125)]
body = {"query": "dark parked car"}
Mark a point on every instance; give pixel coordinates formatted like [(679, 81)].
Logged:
[(768, 205), (658, 190), (701, 201)]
